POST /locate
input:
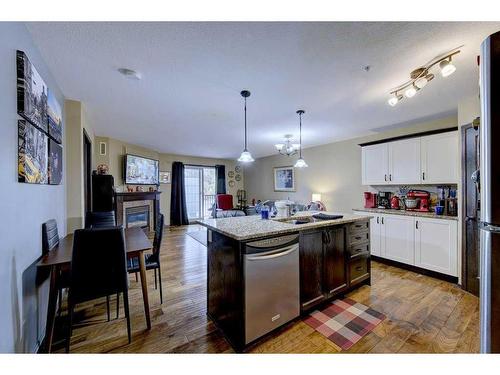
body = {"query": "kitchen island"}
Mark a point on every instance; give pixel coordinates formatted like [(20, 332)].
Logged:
[(263, 274)]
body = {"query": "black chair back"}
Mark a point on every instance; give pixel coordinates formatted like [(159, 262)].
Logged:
[(50, 236), (98, 267), (104, 219), (157, 240)]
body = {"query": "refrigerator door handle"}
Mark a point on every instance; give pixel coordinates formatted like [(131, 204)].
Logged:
[(488, 227), (485, 290)]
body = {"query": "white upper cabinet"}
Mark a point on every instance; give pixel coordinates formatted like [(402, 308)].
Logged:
[(440, 158), (375, 164), (436, 245), (404, 161), (431, 159)]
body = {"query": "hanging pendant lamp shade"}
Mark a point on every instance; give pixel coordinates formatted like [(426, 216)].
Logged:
[(300, 163), (245, 156)]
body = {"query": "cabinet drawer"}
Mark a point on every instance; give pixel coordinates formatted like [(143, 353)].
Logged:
[(359, 270), (357, 238), (362, 249), (359, 226)]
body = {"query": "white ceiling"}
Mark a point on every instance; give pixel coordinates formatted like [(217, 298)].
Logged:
[(188, 100)]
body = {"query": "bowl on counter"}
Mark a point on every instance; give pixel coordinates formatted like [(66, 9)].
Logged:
[(411, 202)]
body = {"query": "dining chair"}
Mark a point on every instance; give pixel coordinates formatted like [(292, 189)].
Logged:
[(98, 269), (152, 260), (50, 240), (100, 219)]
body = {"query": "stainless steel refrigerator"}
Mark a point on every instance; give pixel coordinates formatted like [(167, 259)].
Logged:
[(490, 195)]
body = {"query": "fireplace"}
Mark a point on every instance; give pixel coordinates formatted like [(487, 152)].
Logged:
[(137, 217), (139, 209)]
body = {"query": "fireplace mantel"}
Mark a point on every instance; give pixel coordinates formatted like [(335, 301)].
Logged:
[(121, 198)]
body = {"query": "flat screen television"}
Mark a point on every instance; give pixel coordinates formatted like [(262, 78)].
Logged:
[(140, 171)]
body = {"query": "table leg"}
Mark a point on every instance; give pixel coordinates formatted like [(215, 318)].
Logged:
[(51, 309), (144, 284)]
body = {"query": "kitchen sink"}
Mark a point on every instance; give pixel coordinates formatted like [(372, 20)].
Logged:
[(299, 221)]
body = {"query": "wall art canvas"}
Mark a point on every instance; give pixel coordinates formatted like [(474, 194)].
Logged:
[(32, 154), (55, 163), (54, 115), (284, 179), (32, 93), (165, 178)]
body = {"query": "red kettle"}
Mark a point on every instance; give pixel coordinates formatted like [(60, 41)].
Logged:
[(395, 202)]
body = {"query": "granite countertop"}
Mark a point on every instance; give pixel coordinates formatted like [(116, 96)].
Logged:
[(389, 211), (243, 228)]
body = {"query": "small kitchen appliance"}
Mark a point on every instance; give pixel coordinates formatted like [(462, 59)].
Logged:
[(370, 199), (395, 202), (284, 208), (383, 199), (422, 197)]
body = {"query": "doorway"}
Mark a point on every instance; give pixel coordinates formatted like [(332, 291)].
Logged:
[(471, 207), (87, 172), (200, 185)]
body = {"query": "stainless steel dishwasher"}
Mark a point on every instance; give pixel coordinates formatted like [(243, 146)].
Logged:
[(272, 297)]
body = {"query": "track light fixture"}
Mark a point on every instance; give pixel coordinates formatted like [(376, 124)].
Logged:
[(420, 77)]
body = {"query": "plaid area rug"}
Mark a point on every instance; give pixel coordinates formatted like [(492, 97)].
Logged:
[(345, 322)]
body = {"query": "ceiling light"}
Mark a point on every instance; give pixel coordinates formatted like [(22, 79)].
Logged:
[(288, 148), (300, 163), (447, 68), (395, 99), (279, 146), (245, 156), (129, 73), (421, 82), (410, 92), (420, 77)]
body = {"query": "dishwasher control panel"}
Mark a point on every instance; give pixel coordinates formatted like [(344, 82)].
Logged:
[(273, 242)]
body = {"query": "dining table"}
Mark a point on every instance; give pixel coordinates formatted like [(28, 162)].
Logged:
[(136, 243)]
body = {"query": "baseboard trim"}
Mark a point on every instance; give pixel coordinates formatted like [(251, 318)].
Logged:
[(423, 271)]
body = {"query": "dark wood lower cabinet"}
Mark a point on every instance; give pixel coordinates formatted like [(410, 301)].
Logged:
[(332, 260), (311, 269)]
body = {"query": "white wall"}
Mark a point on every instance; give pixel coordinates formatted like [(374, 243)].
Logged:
[(23, 208), (334, 170)]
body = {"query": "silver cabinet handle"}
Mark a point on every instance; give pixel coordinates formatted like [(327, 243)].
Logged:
[(271, 255), (382, 220), (390, 177), (385, 177), (416, 224), (423, 175), (377, 220)]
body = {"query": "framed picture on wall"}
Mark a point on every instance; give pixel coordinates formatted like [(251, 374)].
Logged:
[(32, 154), (284, 179), (54, 115), (165, 178), (55, 163), (32, 93)]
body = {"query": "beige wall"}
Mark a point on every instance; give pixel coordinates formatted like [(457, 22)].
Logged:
[(334, 170), (76, 123), (114, 159), (468, 109)]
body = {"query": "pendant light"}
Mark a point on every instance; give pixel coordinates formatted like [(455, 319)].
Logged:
[(245, 156), (300, 163)]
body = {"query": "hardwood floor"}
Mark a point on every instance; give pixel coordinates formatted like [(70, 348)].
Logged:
[(424, 315)]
